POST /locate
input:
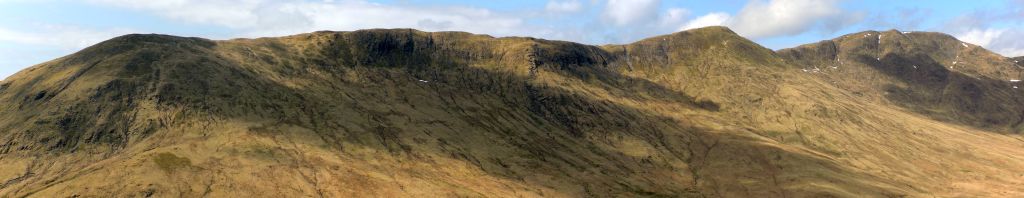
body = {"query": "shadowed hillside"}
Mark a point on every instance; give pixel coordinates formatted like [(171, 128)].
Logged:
[(929, 73), (400, 112)]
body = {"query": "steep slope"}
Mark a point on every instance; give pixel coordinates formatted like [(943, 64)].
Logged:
[(929, 73), (407, 113), (504, 116), (793, 108), (317, 114)]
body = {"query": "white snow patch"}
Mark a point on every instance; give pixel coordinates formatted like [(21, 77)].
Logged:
[(424, 81), (915, 66), (879, 39), (1014, 80), (905, 32), (879, 59), (1014, 87), (964, 44)]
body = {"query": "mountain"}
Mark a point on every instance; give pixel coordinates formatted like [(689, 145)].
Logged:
[(400, 113), (929, 73)]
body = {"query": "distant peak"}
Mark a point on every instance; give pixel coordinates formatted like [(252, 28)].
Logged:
[(709, 32), (393, 31), (712, 29), (919, 35), (143, 36), (155, 38)]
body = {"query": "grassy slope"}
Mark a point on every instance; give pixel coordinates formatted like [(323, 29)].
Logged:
[(929, 73), (403, 113)]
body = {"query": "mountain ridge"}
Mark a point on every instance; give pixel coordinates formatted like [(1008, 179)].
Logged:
[(914, 66), (401, 112)]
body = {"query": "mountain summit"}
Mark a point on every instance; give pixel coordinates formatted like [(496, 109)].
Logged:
[(403, 113)]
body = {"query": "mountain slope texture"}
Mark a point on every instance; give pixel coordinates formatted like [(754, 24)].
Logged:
[(405, 113)]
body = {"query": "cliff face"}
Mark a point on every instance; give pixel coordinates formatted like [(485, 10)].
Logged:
[(402, 112)]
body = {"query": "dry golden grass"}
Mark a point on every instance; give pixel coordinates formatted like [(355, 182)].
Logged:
[(404, 113)]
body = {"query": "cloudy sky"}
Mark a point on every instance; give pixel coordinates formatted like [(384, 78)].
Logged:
[(33, 31)]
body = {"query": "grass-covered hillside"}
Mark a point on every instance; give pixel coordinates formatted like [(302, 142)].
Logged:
[(406, 113)]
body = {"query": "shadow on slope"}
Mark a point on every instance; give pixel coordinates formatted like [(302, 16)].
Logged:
[(936, 92), (911, 74), (512, 124)]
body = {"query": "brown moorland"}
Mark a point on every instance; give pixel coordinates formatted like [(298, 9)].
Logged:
[(406, 113)]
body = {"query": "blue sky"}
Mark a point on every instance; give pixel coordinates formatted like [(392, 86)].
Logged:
[(34, 31)]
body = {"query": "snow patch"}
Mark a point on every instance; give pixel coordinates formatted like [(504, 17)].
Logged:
[(964, 44), (815, 70), (915, 66), (424, 81), (1014, 80)]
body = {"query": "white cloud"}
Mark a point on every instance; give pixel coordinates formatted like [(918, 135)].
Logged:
[(674, 16), (564, 6), (228, 13), (626, 12), (783, 17), (1004, 41), (255, 18), (981, 37), (59, 36), (711, 19), (996, 30), (760, 19), (362, 15)]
